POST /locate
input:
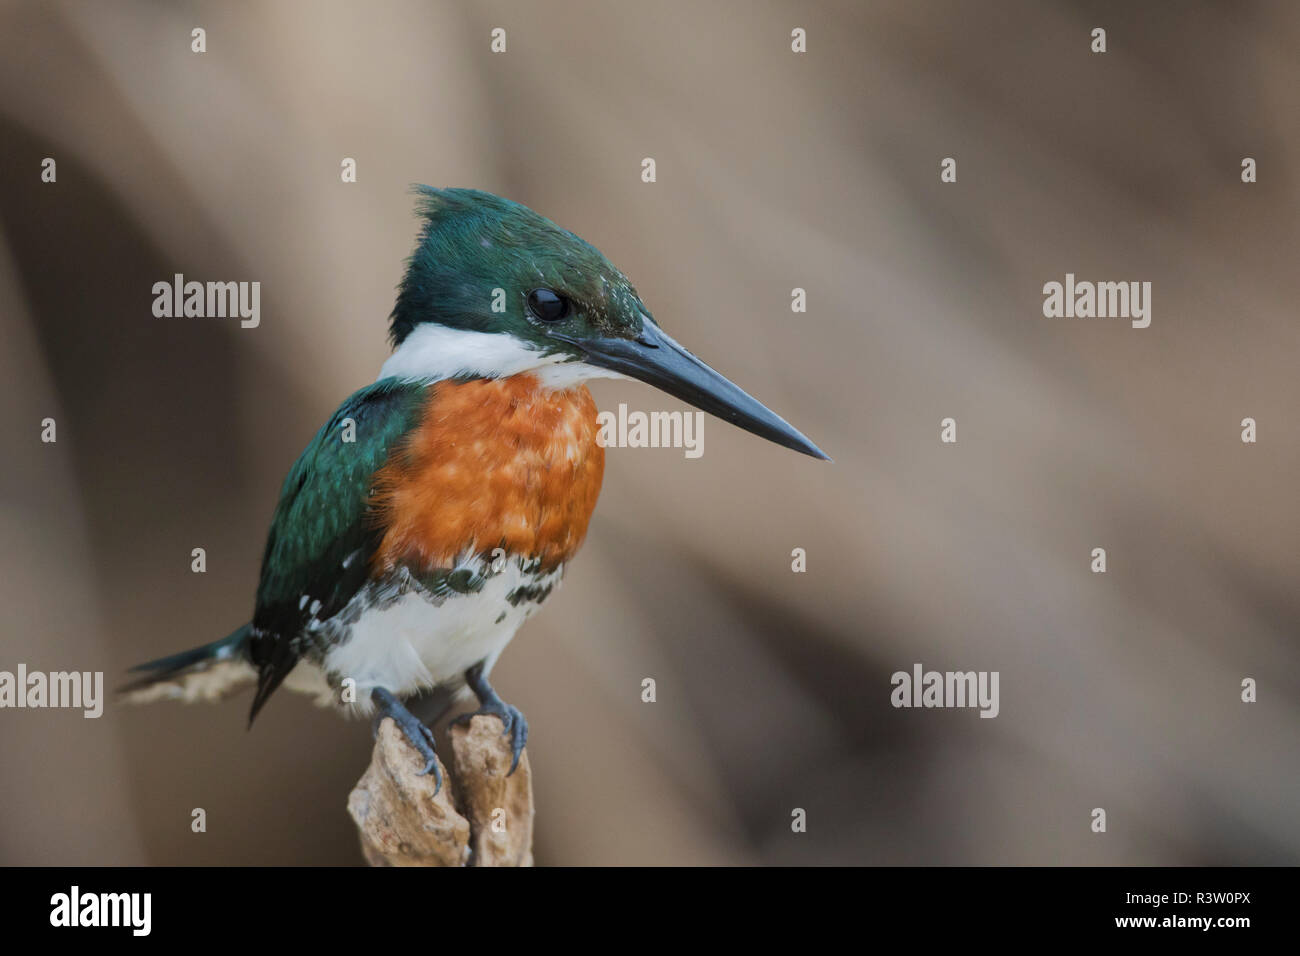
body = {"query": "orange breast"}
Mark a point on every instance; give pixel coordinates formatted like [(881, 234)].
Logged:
[(501, 463)]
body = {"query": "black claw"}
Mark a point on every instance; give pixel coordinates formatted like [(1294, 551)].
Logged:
[(513, 723), (518, 738), (416, 733)]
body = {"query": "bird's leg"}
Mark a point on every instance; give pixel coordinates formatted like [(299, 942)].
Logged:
[(417, 734), (489, 702)]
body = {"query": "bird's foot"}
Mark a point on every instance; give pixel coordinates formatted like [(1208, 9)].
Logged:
[(512, 718), (416, 733), (514, 725)]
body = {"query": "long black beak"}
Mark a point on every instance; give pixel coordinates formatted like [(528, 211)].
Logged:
[(654, 358)]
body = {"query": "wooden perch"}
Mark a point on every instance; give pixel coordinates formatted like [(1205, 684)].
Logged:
[(481, 817)]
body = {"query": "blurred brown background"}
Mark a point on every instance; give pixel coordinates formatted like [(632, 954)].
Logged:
[(775, 170)]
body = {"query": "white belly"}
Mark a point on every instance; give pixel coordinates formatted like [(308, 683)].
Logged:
[(413, 643)]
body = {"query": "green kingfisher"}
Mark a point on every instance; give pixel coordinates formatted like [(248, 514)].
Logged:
[(438, 508)]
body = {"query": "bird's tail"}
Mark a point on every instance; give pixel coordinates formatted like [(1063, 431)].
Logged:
[(204, 673)]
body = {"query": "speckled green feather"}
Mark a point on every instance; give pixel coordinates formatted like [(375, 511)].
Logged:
[(320, 540)]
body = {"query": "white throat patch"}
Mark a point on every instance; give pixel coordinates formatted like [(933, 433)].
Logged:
[(431, 353)]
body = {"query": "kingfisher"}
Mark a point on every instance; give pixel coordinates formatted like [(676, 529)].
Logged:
[(439, 506)]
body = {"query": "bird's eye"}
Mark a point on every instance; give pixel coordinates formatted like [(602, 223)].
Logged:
[(547, 305)]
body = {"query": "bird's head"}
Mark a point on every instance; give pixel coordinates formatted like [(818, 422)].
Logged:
[(493, 289)]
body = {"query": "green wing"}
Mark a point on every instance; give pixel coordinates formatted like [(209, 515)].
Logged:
[(321, 539)]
